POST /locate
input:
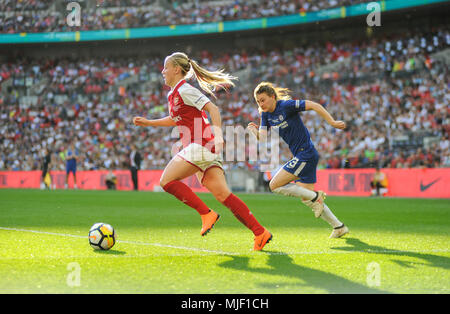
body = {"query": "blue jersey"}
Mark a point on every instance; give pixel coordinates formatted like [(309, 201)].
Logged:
[(71, 156), (287, 120)]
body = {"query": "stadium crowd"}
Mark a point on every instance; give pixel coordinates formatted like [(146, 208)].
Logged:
[(34, 16), (383, 89), (24, 5)]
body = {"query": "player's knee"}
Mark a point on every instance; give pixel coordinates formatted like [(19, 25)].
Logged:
[(272, 185), (163, 182), (166, 180), (222, 195)]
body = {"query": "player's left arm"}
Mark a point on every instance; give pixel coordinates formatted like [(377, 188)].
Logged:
[(216, 121), (310, 105)]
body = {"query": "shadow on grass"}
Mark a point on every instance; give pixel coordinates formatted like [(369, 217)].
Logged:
[(110, 252), (357, 245), (283, 265)]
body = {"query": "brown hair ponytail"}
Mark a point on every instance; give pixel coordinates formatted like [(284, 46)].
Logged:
[(280, 93)]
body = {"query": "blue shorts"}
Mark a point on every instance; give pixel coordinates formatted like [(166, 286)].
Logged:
[(304, 169), (71, 166)]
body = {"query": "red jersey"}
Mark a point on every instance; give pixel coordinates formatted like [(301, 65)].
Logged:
[(186, 110)]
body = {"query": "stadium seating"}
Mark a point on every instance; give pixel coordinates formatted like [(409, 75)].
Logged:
[(50, 16)]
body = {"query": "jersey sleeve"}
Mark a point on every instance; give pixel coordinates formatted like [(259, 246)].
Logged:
[(193, 97), (294, 106), (264, 122)]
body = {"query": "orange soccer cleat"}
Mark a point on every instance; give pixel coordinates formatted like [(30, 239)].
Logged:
[(208, 221), (262, 240)]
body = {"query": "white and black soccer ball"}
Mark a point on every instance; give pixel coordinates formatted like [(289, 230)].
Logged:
[(102, 236)]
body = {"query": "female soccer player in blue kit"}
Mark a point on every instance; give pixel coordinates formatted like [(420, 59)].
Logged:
[(279, 111)]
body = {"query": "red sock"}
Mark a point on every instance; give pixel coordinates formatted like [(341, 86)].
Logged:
[(243, 214), (186, 195)]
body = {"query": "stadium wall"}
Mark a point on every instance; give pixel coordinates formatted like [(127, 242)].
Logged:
[(422, 183)]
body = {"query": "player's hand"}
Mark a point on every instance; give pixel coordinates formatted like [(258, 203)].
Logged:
[(339, 125), (252, 125), (254, 128), (140, 121)]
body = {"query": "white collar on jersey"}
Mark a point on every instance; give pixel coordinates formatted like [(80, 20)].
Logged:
[(175, 86)]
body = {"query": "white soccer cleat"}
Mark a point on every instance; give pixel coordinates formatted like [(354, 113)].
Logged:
[(339, 232), (317, 206)]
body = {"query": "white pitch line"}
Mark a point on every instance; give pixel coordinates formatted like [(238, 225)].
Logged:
[(179, 247), (43, 232), (230, 253), (119, 241)]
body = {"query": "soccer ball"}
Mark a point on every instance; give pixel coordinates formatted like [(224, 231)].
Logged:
[(102, 236)]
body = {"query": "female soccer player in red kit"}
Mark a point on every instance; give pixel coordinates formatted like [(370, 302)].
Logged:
[(202, 148)]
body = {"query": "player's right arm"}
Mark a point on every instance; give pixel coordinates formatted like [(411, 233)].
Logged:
[(166, 121)]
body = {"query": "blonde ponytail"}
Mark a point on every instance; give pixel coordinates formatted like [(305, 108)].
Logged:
[(209, 81)]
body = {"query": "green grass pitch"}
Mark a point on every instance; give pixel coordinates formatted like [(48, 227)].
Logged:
[(394, 245)]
